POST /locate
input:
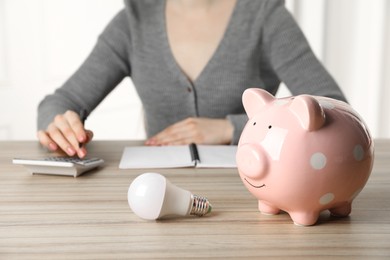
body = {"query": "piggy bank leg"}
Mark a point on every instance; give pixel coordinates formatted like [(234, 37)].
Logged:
[(304, 218), (267, 209), (342, 211)]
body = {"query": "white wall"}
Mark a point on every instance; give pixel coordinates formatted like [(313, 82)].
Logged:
[(352, 39), (42, 42), (360, 67)]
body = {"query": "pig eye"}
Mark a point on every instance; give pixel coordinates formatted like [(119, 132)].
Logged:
[(254, 123), (270, 126)]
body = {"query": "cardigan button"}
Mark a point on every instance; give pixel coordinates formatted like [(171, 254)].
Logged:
[(189, 89)]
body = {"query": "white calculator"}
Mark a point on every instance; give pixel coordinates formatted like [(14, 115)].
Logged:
[(71, 166)]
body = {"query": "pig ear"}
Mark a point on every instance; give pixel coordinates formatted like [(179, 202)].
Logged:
[(254, 99), (308, 111)]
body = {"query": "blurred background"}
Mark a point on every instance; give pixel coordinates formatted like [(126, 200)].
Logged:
[(42, 42)]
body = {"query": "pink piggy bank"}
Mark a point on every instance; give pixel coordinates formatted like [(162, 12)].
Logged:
[(303, 155)]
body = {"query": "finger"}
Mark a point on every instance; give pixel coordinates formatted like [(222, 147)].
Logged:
[(46, 141), (76, 125), (57, 136), (183, 141), (170, 135), (175, 133), (173, 138), (66, 123), (82, 151), (187, 131), (89, 135)]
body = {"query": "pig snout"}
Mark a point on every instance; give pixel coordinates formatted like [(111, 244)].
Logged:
[(251, 161)]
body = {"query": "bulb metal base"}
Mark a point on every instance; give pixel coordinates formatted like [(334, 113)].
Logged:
[(200, 206)]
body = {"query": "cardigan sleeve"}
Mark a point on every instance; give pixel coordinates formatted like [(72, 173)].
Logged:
[(101, 72), (291, 57)]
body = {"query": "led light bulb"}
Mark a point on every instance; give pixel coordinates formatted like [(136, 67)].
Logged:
[(152, 196)]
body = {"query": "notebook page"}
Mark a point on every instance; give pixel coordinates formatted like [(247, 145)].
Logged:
[(134, 157), (217, 156)]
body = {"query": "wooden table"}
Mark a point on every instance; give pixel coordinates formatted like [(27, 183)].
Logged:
[(55, 217)]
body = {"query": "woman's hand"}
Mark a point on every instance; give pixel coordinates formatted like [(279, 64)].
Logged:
[(66, 132), (195, 130)]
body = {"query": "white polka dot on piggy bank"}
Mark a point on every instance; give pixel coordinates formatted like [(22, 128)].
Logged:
[(309, 154)]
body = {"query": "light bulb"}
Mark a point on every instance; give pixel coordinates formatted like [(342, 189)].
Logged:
[(151, 196)]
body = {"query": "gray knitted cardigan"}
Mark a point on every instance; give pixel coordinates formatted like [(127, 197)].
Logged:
[(261, 47)]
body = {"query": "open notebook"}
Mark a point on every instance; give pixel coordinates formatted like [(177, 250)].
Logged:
[(202, 156)]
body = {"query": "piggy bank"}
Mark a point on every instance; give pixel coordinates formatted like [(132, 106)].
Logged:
[(303, 155)]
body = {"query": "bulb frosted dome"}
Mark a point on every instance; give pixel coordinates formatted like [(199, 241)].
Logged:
[(151, 196), (146, 195)]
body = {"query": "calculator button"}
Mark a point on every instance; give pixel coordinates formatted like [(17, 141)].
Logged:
[(88, 161)]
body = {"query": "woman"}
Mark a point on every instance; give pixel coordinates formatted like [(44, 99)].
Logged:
[(190, 61)]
